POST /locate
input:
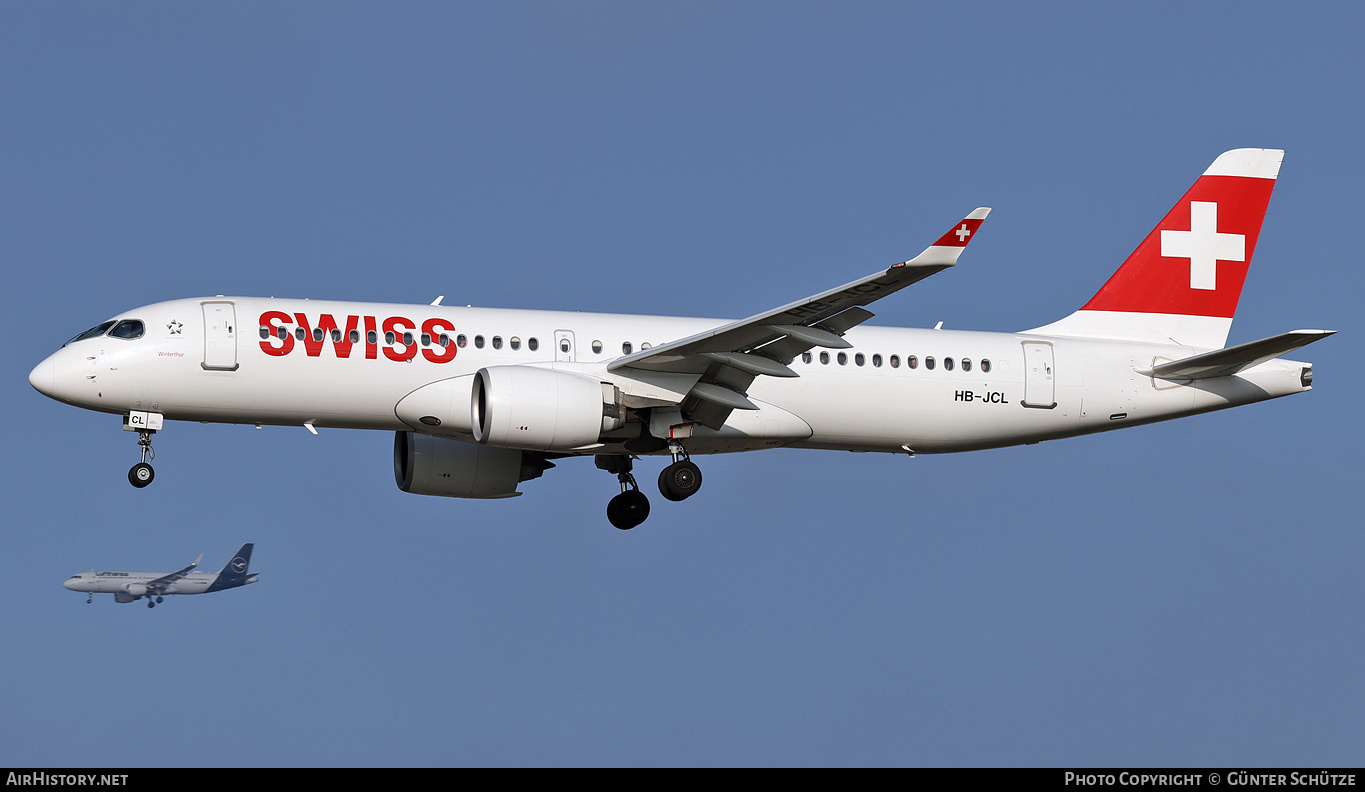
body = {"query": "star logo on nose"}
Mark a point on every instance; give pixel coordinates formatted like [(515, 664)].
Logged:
[(174, 327)]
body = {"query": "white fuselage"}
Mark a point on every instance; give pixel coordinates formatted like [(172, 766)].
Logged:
[(260, 361), (135, 582)]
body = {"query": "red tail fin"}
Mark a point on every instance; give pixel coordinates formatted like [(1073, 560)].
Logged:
[(1183, 282)]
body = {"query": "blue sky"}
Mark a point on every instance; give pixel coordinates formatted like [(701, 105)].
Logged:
[(1180, 594)]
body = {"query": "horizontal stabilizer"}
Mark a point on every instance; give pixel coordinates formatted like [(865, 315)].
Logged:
[(1225, 362)]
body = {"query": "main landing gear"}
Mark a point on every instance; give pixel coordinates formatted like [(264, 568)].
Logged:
[(141, 474), (631, 507), (678, 481), (682, 479)]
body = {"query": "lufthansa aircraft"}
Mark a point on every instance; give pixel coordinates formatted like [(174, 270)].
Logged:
[(131, 586), (483, 399)]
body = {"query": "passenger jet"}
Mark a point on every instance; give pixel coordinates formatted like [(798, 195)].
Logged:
[(132, 586), (481, 400)]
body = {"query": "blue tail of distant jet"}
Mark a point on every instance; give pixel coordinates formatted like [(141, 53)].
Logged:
[(234, 573)]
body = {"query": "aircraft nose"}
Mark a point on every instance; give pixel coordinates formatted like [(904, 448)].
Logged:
[(44, 378), (70, 584)]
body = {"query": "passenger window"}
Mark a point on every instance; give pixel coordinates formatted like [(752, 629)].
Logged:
[(532, 344), (515, 343), (300, 333), (336, 335), (843, 358), (597, 347), (966, 364), (912, 362), (877, 361), (824, 358), (390, 338), (929, 363), (805, 357), (858, 359), (497, 342), (372, 337), (265, 332), (461, 341), (564, 345), (985, 365), (355, 336), (895, 361), (282, 333), (947, 364), (407, 339), (645, 345), (443, 340), (426, 339), (478, 342), (625, 348), (317, 333)]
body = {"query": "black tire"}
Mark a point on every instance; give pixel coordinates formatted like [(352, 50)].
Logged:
[(680, 480), (141, 475), (627, 510)]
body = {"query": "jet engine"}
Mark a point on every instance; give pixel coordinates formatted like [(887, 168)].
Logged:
[(119, 596), (425, 465), (542, 409), (136, 589)]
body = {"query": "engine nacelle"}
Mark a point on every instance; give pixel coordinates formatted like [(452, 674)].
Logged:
[(542, 409), (119, 596), (136, 589), (425, 465)]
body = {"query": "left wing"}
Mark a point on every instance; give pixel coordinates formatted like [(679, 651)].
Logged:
[(730, 356), (163, 582)]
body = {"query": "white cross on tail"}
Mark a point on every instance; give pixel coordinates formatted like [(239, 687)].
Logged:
[(1203, 245)]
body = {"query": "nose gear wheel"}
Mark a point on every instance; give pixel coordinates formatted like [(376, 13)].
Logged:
[(141, 474)]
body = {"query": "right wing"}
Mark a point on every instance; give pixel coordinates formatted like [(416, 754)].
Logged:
[(728, 357)]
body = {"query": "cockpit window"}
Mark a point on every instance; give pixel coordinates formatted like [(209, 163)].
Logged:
[(128, 328), (97, 330)]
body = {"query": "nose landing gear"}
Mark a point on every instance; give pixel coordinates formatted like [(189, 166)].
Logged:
[(141, 474), (145, 424)]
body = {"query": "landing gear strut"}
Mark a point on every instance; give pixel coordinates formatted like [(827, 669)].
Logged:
[(141, 474), (682, 479), (631, 507)]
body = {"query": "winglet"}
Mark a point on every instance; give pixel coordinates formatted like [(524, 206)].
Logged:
[(945, 251), (197, 560)]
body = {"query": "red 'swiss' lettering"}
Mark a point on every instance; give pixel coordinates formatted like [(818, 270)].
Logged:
[(371, 339), (397, 325), (272, 321), (315, 338), (432, 328), (398, 342)]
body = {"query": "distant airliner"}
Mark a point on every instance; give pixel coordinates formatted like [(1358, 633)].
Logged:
[(131, 586), (483, 399)]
